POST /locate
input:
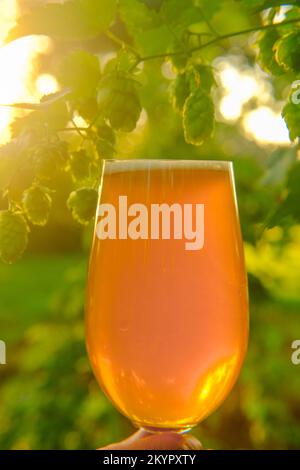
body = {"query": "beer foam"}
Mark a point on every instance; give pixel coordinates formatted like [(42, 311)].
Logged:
[(121, 166)]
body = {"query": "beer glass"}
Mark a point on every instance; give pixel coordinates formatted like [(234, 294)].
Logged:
[(167, 303)]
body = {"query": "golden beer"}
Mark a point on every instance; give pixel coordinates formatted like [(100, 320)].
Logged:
[(167, 326)]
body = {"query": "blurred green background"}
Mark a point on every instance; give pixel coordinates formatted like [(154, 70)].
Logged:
[(49, 398)]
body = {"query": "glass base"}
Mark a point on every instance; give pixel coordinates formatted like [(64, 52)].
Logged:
[(156, 430)]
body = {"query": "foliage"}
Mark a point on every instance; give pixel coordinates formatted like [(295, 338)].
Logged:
[(13, 235), (50, 399), (74, 19), (110, 98)]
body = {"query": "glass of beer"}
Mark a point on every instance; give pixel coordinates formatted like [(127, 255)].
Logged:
[(167, 301)]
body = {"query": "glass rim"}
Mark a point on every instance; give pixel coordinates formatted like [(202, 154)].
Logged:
[(148, 163)]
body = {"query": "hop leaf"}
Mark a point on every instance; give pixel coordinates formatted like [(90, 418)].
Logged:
[(287, 51), (288, 210), (82, 204), (120, 102), (37, 204), (266, 56), (123, 62), (153, 4), (72, 20), (291, 115), (80, 165), (198, 117), (80, 71), (13, 235)]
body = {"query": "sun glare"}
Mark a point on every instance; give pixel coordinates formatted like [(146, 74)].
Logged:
[(240, 85), (266, 126), (46, 84), (17, 68)]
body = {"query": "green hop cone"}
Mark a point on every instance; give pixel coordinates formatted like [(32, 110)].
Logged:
[(50, 159), (80, 165), (13, 235), (195, 77), (179, 91), (37, 204), (105, 132), (287, 51), (198, 117), (178, 61), (119, 100), (104, 148), (106, 140), (202, 76), (82, 203), (266, 55)]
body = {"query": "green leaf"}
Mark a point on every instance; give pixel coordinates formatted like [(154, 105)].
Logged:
[(45, 102), (37, 204), (252, 3), (154, 41), (291, 115), (13, 235), (72, 20), (266, 55), (82, 204), (153, 4), (278, 166), (179, 15), (209, 7), (154, 32), (287, 51), (288, 210), (52, 118), (80, 71), (124, 61), (198, 117), (137, 17)]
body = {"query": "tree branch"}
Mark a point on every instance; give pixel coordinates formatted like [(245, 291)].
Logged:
[(215, 41)]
